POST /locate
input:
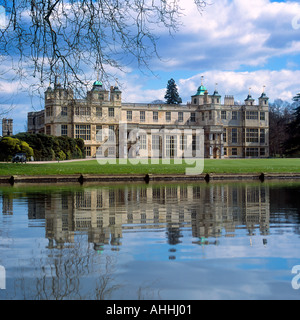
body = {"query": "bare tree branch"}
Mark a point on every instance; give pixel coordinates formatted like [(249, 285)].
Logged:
[(69, 38)]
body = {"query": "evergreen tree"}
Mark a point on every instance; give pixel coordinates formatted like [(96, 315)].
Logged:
[(292, 145), (172, 95)]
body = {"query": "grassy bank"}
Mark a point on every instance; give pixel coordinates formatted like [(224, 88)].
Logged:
[(210, 166)]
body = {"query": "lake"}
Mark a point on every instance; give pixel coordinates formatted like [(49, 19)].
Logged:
[(150, 241)]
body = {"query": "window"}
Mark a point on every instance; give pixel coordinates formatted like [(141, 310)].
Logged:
[(99, 133), (98, 112), (82, 111), (64, 130), (234, 151), (99, 152), (252, 115), (180, 116), (142, 116), (223, 115), (252, 135), (225, 135), (49, 111), (193, 117), (210, 115), (234, 115), (155, 116), (262, 116), (88, 151), (143, 142), (183, 142), (111, 134), (171, 146), (83, 132), (202, 116), (262, 136), (155, 142), (48, 130), (64, 111), (129, 115), (251, 152), (111, 151), (168, 116), (262, 152), (111, 112), (234, 136)]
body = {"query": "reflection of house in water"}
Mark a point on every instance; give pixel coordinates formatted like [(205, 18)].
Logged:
[(36, 206), (7, 204), (226, 208), (105, 214)]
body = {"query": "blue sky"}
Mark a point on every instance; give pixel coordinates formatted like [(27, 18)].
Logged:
[(236, 43)]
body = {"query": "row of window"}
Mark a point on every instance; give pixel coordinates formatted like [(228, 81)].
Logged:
[(253, 115), (84, 132), (250, 115), (252, 135), (249, 152), (225, 115), (81, 111), (171, 150), (171, 143), (155, 116)]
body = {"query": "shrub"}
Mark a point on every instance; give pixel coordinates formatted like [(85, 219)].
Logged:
[(50, 148), (9, 146)]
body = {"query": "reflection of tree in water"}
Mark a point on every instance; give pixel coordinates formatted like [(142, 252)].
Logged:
[(173, 234), (74, 273)]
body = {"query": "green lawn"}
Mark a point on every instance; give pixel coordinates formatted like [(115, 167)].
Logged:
[(211, 166)]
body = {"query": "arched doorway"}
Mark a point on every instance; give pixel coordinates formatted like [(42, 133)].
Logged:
[(216, 153)]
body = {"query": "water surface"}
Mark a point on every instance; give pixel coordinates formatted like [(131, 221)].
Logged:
[(156, 241)]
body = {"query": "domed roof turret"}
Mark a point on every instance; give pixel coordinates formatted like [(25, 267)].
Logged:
[(98, 83), (201, 91), (97, 86)]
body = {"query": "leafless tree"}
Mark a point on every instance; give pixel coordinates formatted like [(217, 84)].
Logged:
[(281, 114), (75, 39)]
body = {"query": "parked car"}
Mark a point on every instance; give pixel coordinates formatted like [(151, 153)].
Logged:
[(19, 157)]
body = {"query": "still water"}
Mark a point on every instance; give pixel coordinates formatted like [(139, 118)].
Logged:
[(156, 241)]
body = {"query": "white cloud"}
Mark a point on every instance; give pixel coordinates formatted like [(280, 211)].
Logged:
[(229, 34), (283, 84)]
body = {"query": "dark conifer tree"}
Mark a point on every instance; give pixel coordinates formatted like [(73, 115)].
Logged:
[(172, 95)]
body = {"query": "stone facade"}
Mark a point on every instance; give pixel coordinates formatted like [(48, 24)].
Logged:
[(230, 130), (7, 127)]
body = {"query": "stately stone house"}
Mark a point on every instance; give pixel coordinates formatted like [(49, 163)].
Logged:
[(229, 130)]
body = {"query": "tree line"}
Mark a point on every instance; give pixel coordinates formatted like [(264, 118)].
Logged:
[(41, 147), (285, 128)]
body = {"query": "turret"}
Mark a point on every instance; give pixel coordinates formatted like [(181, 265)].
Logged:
[(115, 94), (263, 99), (216, 98), (198, 98), (98, 92), (249, 101)]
